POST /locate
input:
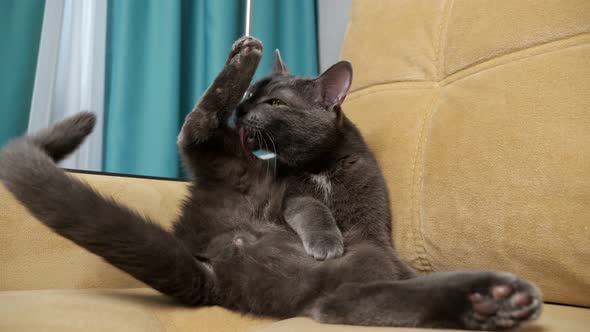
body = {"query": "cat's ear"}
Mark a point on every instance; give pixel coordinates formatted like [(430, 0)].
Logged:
[(334, 83), (279, 66)]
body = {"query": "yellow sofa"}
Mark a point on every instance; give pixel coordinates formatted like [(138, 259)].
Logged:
[(479, 114)]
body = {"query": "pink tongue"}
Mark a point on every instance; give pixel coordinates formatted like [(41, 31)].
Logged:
[(244, 143)]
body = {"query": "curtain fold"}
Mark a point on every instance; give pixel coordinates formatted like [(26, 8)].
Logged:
[(142, 87), (162, 55), (290, 26), (20, 31)]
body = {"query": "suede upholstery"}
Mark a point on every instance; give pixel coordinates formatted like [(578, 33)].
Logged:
[(33, 257), (479, 114)]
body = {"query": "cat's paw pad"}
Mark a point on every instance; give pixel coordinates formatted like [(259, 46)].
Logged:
[(245, 50), (505, 304), (324, 246)]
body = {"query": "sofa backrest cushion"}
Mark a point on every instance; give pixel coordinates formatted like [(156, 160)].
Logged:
[(479, 114)]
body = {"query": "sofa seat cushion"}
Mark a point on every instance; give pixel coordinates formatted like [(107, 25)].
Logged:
[(145, 310), (123, 310), (555, 318)]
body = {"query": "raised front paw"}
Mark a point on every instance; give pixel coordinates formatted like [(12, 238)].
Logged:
[(246, 51), (502, 302), (324, 245), (197, 127)]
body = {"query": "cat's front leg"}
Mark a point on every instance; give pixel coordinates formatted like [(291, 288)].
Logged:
[(223, 95), (316, 227)]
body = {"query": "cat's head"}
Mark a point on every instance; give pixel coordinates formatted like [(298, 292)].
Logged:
[(299, 118)]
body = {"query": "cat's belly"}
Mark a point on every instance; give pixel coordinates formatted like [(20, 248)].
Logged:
[(271, 274), (267, 273), (257, 250)]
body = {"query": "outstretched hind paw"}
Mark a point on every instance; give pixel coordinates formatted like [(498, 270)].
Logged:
[(502, 303)]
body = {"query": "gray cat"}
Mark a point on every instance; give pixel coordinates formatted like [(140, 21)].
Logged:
[(305, 234)]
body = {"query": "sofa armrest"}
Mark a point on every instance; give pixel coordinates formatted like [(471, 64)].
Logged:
[(33, 257)]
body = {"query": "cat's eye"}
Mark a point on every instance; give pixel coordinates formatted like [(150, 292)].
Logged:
[(275, 102)]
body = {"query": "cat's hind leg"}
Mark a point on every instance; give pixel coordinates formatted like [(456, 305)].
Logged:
[(465, 300), (72, 209)]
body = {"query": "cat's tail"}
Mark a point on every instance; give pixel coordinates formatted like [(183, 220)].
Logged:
[(71, 208), (64, 137)]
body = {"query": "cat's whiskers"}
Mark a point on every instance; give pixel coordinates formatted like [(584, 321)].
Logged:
[(260, 139), (266, 149), (274, 148)]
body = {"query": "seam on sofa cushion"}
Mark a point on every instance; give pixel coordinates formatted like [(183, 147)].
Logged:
[(390, 86), (416, 220), (439, 55), (549, 47), (536, 50)]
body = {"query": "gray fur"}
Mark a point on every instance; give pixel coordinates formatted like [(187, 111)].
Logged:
[(259, 240), (323, 183)]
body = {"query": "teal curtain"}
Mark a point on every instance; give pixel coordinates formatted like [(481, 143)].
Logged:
[(20, 32), (162, 55)]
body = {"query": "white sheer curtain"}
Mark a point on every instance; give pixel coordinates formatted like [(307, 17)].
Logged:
[(70, 72)]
